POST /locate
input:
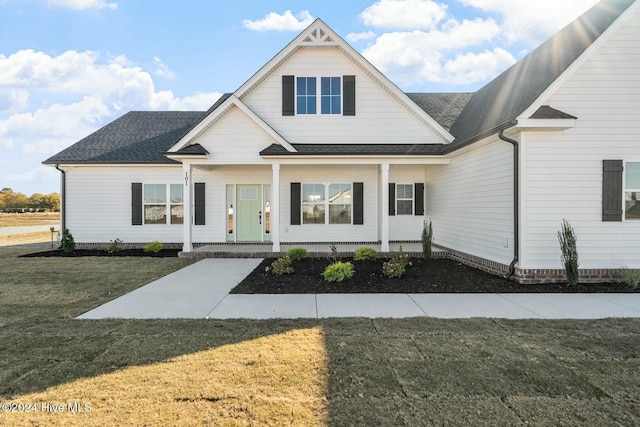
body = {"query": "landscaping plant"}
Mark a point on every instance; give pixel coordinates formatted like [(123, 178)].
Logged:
[(281, 266), (154, 247), (365, 254), (334, 254), (397, 265), (115, 246), (68, 244), (338, 272), (427, 239), (569, 256), (629, 278), (296, 254)]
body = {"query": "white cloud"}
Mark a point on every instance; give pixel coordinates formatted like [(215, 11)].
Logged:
[(162, 70), (404, 14), (356, 37), (276, 22), (418, 56), (532, 21), (476, 67), (83, 4)]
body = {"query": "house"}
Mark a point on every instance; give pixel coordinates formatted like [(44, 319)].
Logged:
[(319, 146)]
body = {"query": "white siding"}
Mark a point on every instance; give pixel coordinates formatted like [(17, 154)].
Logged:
[(327, 232), (470, 201), (235, 138), (379, 118), (562, 175), (406, 227)]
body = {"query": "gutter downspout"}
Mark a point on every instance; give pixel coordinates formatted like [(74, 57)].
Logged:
[(63, 204), (516, 202)]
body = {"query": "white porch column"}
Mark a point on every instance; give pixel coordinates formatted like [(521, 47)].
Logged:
[(275, 207), (384, 221), (187, 245)]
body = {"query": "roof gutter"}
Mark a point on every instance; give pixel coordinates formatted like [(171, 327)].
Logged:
[(516, 202), (63, 204)]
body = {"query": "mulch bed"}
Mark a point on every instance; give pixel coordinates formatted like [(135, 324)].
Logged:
[(424, 276), (164, 253)]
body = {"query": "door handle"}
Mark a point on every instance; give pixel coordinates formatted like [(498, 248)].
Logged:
[(260, 217)]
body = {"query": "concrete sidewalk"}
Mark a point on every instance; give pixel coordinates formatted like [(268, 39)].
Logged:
[(202, 290)]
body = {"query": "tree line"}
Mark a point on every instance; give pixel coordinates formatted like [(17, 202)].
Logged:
[(12, 201)]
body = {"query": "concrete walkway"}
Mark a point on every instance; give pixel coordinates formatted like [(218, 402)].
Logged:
[(202, 290)]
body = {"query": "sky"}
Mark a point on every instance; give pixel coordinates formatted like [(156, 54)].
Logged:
[(69, 67)]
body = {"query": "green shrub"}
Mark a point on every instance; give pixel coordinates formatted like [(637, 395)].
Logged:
[(68, 244), (427, 239), (115, 246), (154, 247), (628, 278), (338, 272), (296, 254), (397, 265), (281, 266), (365, 254), (569, 257)]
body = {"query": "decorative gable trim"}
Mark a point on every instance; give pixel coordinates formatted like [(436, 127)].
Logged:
[(217, 114)]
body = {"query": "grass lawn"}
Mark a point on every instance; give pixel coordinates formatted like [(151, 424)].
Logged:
[(293, 372), (29, 218)]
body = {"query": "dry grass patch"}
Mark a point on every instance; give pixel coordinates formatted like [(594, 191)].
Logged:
[(26, 238), (276, 379), (26, 219)]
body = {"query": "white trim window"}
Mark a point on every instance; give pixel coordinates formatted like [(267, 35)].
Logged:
[(404, 199), (632, 190), (158, 199), (336, 199)]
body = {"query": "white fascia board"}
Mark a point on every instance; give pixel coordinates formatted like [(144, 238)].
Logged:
[(545, 124), (579, 62), (363, 160), (331, 39), (221, 110)]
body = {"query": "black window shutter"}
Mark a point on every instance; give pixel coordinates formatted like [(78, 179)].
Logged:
[(349, 95), (136, 203), (358, 203), (199, 197), (295, 203), (419, 198), (288, 95), (392, 198), (612, 190)]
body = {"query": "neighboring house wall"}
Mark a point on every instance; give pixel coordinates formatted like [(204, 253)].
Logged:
[(563, 171), (379, 118), (470, 201)]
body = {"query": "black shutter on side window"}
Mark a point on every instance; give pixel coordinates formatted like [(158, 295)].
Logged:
[(349, 94), (358, 203), (136, 203), (419, 199), (288, 95), (392, 198), (612, 190), (295, 203), (199, 197)]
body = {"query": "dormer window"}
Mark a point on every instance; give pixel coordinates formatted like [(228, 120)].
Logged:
[(337, 95)]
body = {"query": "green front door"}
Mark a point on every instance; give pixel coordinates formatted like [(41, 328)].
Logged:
[(249, 220)]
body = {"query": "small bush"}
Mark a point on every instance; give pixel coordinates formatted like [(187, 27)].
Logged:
[(281, 266), (397, 265), (628, 278), (154, 247), (296, 254), (427, 239), (569, 257), (115, 246), (68, 244), (365, 254), (333, 258), (338, 272)]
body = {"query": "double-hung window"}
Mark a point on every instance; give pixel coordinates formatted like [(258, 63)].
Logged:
[(340, 203), (163, 204), (330, 95), (318, 199), (404, 199), (306, 95), (313, 203), (632, 190)]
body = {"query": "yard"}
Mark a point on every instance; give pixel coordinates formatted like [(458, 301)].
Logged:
[(292, 372)]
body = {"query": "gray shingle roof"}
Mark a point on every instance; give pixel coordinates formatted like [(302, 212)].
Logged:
[(355, 149), (546, 112), (192, 149), (498, 103), (444, 108), (136, 137)]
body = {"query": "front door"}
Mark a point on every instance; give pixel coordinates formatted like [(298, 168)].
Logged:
[(249, 220)]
